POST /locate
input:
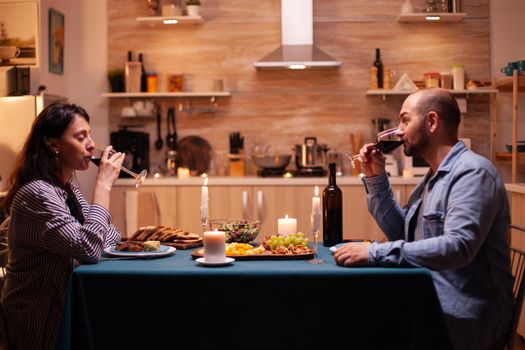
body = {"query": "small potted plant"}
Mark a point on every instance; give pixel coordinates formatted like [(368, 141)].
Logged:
[(192, 7), (116, 79)]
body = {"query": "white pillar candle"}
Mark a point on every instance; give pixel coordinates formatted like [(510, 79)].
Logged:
[(204, 200), (286, 225), (316, 211), (214, 246)]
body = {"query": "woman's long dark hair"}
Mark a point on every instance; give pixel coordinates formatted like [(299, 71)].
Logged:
[(37, 160)]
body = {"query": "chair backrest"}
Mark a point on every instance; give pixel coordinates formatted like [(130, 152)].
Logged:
[(517, 261)]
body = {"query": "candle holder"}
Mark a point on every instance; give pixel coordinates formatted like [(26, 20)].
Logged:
[(315, 260)]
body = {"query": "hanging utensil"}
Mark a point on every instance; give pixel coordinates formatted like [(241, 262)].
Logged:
[(158, 143), (171, 139)]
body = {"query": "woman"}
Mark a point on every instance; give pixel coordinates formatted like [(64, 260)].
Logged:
[(53, 229)]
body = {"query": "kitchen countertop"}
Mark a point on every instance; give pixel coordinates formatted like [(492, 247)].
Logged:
[(256, 181), (517, 187)]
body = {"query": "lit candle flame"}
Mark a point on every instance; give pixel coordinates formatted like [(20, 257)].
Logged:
[(316, 191)]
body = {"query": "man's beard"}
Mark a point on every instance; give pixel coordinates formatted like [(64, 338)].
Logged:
[(418, 148)]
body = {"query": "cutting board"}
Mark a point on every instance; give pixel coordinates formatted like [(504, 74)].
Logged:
[(199, 253), (183, 246)]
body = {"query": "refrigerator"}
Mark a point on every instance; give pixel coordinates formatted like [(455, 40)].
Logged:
[(17, 114)]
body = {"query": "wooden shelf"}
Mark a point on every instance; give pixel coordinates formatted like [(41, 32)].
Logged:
[(179, 19), (167, 94), (426, 17), (384, 93), (507, 157), (505, 84)]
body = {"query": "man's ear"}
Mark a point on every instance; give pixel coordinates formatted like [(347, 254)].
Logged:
[(433, 121)]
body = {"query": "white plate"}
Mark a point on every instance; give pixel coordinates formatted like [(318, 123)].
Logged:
[(164, 250), (222, 263)]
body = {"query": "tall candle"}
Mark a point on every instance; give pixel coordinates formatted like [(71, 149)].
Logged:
[(286, 225), (204, 200), (316, 211), (214, 246)]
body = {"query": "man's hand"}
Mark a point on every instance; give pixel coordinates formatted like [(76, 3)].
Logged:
[(352, 254), (372, 161)]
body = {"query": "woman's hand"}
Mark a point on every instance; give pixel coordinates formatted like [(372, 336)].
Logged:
[(352, 254), (109, 167), (372, 160)]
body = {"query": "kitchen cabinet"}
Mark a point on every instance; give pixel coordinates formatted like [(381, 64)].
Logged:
[(515, 84), (178, 206), (265, 203), (151, 206), (358, 223)]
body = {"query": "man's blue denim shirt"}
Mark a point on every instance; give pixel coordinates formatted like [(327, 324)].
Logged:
[(466, 241)]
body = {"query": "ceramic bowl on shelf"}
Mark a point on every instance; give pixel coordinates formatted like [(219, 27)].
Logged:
[(237, 230), (520, 145)]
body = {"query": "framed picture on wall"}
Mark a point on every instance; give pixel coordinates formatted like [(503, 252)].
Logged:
[(56, 41), (19, 33)]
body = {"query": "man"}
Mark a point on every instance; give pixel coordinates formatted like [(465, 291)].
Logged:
[(455, 223)]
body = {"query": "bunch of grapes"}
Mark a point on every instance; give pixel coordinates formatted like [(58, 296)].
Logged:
[(294, 239)]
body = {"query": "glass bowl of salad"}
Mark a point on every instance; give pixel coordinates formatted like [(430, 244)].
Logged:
[(237, 230)]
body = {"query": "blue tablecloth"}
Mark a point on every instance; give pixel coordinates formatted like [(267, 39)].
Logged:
[(286, 304)]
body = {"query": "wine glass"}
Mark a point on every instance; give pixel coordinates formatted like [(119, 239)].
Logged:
[(139, 178), (387, 141), (316, 227)]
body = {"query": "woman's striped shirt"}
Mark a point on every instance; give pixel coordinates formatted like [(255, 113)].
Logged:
[(46, 243)]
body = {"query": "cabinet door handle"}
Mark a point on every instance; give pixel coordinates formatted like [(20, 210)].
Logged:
[(260, 206), (245, 202)]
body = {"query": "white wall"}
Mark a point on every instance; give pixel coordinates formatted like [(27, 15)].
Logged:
[(507, 44), (85, 57)]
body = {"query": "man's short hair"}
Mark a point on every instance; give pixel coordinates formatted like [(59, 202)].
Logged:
[(443, 103)]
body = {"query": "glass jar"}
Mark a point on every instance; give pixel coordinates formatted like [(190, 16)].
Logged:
[(431, 79), (171, 162), (458, 76)]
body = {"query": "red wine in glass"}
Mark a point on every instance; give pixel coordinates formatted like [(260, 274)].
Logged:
[(139, 178)]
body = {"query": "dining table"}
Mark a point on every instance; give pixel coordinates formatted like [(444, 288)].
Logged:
[(174, 302)]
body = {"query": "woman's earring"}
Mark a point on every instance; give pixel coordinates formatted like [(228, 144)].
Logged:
[(56, 153)]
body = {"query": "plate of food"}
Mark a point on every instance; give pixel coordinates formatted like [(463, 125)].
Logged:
[(148, 249), (290, 248)]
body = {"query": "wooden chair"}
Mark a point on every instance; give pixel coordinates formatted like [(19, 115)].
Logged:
[(517, 261)]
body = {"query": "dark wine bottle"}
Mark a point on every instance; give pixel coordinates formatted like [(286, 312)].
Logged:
[(379, 64), (332, 211), (143, 78)]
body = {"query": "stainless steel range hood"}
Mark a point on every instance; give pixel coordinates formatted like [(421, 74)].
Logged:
[(297, 50)]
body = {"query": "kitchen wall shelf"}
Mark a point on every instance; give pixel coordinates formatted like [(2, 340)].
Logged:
[(384, 93), (179, 19), (514, 84), (167, 94), (422, 17)]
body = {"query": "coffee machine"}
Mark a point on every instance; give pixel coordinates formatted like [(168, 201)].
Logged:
[(136, 146)]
